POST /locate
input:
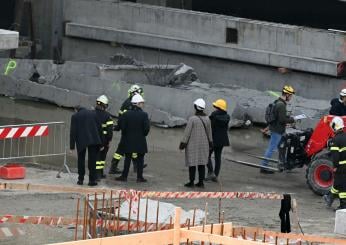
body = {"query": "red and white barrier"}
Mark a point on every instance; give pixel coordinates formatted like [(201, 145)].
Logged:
[(7, 232), (23, 132)]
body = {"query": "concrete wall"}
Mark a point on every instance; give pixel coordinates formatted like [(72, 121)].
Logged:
[(305, 49), (217, 72), (48, 25)]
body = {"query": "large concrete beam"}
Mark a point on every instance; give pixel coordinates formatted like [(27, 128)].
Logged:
[(320, 66), (8, 39)]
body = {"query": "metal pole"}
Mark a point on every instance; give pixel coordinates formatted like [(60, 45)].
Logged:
[(77, 215)]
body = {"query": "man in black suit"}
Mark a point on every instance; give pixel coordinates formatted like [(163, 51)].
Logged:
[(85, 133)]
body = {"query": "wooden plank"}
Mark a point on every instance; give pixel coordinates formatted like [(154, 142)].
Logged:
[(212, 238), (308, 238), (176, 231), (152, 238), (227, 229)]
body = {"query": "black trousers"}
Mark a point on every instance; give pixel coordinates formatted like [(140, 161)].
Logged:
[(201, 173), (93, 151), (139, 161), (217, 154)]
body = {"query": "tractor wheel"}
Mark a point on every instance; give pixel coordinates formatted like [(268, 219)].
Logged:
[(320, 175)]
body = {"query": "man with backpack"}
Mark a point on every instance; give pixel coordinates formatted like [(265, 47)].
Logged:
[(276, 117)]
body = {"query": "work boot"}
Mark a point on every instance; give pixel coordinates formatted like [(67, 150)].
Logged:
[(92, 184), (80, 182), (141, 180), (98, 175), (329, 199), (265, 171), (200, 184), (114, 167), (121, 178), (342, 204), (190, 184), (210, 176)]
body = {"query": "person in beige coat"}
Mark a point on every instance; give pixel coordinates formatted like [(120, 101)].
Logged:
[(197, 142)]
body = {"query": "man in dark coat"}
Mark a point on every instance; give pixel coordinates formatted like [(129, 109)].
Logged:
[(118, 154), (85, 134), (219, 125), (134, 125), (338, 105)]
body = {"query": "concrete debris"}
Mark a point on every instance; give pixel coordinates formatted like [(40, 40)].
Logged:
[(166, 211), (169, 91), (122, 59)]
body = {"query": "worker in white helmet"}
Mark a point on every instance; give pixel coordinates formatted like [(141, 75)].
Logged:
[(197, 142), (105, 120), (338, 105), (134, 125), (337, 148), (118, 154)]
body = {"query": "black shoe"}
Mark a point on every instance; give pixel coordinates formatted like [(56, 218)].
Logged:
[(190, 184), (114, 167), (328, 198), (80, 182), (92, 184), (200, 185), (121, 178), (265, 171), (145, 165), (141, 180)]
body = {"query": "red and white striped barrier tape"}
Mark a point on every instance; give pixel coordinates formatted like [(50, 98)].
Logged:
[(23, 132), (128, 194), (7, 232)]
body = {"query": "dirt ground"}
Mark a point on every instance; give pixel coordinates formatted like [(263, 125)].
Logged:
[(166, 172)]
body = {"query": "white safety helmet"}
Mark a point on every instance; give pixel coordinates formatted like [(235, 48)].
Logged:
[(337, 123), (200, 104), (135, 89), (343, 92), (136, 99), (103, 99)]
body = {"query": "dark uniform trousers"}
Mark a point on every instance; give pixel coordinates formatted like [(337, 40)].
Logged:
[(338, 150), (101, 159), (139, 162), (93, 151)]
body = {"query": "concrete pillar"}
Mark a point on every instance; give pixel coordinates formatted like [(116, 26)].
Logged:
[(8, 39), (340, 222)]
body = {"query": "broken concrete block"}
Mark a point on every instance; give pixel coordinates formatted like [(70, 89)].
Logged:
[(340, 222)]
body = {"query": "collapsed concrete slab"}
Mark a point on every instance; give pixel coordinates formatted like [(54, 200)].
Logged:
[(79, 83)]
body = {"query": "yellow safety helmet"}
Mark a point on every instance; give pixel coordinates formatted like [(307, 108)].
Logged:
[(221, 104), (287, 89)]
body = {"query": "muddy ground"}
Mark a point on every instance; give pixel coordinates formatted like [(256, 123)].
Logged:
[(165, 172)]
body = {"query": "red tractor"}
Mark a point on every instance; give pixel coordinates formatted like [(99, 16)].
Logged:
[(309, 148)]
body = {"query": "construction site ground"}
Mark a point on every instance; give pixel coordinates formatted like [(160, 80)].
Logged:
[(166, 172)]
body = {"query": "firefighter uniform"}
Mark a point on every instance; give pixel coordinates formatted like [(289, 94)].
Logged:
[(106, 122), (119, 152), (338, 150)]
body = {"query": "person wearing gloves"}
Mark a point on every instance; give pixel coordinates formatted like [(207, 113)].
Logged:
[(219, 125), (197, 142)]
